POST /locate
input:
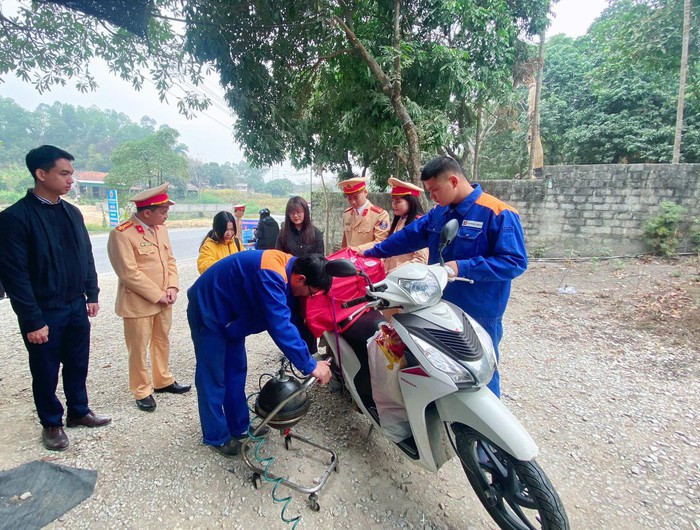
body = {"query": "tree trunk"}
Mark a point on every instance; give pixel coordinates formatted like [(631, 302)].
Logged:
[(535, 131), (681, 85), (391, 90), (327, 208), (477, 144)]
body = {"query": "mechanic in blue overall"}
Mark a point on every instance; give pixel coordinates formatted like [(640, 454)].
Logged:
[(240, 295), (489, 247)]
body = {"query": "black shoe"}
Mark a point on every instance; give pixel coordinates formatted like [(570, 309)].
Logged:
[(231, 449), (148, 403), (175, 388), (54, 438)]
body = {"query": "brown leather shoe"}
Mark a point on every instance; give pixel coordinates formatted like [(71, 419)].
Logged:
[(89, 420), (54, 438)]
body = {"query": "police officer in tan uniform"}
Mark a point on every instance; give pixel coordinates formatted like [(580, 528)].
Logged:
[(140, 252), (238, 213), (364, 224)]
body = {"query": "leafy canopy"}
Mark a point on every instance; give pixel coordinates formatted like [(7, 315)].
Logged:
[(155, 159)]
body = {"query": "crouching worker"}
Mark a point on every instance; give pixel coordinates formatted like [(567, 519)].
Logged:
[(241, 295)]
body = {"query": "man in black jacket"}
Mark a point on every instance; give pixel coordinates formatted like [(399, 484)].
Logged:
[(48, 271), (267, 231)]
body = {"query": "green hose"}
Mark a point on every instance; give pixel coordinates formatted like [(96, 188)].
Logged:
[(265, 464)]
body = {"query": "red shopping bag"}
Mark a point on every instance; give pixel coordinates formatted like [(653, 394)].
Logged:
[(323, 311)]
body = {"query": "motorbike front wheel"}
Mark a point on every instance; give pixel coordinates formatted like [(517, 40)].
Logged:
[(517, 494)]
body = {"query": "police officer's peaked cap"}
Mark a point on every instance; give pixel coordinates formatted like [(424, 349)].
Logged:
[(157, 196), (400, 188), (353, 185)]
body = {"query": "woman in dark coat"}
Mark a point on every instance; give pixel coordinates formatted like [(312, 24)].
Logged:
[(298, 236)]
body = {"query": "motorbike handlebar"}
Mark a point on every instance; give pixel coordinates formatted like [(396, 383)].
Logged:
[(355, 301)]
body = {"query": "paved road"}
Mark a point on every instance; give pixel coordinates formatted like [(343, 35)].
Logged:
[(185, 243)]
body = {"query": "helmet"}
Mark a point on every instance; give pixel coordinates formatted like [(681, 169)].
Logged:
[(264, 212)]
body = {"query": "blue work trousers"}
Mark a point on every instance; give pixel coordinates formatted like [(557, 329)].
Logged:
[(220, 377), (68, 345), (494, 327)]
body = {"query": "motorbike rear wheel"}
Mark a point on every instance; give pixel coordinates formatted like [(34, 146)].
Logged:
[(517, 494)]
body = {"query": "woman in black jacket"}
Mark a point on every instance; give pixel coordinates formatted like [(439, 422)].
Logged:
[(298, 236)]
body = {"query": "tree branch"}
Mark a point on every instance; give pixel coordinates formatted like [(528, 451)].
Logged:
[(374, 67), (397, 47)]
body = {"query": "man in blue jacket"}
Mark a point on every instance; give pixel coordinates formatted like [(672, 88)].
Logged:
[(240, 295), (47, 268), (489, 247)]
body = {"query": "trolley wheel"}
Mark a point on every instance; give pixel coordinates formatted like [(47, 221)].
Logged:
[(287, 442), (257, 481), (313, 503), (336, 467)]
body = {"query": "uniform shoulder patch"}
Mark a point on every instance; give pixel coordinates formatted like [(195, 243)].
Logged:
[(377, 209), (124, 226)]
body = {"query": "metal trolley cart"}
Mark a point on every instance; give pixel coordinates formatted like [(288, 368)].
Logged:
[(282, 403)]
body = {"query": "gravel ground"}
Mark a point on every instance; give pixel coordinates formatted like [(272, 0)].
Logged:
[(606, 380)]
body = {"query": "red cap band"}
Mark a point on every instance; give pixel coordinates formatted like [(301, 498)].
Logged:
[(153, 201), (400, 190), (349, 189)]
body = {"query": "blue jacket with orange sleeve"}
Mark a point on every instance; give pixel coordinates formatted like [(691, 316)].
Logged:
[(247, 293), (489, 249)]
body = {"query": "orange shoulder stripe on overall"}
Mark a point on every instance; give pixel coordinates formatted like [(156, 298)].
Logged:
[(275, 260), (494, 204)]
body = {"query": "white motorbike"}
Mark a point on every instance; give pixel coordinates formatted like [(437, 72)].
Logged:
[(450, 359)]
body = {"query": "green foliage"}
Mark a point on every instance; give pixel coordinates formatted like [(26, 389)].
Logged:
[(326, 84), (14, 178), (279, 187), (539, 251), (48, 45), (662, 233), (10, 197), (97, 228), (610, 96), (694, 234), (89, 134), (149, 162)]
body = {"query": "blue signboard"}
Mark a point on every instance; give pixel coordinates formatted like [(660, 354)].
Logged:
[(113, 208), (248, 226)]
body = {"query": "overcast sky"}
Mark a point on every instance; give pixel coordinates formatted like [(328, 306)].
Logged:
[(210, 136)]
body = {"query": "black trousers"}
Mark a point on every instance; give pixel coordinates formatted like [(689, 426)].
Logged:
[(68, 345)]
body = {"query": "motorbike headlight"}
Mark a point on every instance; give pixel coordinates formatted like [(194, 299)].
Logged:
[(458, 373), (425, 291)]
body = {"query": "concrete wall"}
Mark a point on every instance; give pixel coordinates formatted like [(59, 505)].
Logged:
[(583, 210)]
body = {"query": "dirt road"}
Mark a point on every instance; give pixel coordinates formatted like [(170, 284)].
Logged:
[(606, 380)]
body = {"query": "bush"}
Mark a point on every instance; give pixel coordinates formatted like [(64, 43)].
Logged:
[(11, 197), (662, 233)]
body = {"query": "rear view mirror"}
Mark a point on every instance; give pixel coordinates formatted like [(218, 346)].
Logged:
[(341, 268), (448, 232)]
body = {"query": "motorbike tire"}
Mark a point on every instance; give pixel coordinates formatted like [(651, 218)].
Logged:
[(517, 494)]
